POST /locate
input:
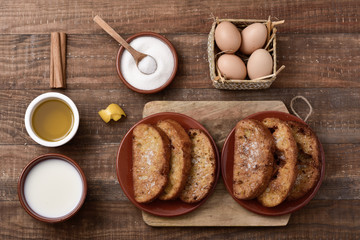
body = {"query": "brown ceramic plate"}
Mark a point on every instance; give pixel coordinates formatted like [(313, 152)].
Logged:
[(227, 160), (124, 168), (147, 34)]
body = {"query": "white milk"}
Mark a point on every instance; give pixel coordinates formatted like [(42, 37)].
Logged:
[(53, 188)]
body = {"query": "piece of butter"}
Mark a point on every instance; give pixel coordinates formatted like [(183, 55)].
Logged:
[(113, 111)]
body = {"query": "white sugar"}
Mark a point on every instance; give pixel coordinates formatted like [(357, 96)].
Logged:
[(147, 65), (163, 56)]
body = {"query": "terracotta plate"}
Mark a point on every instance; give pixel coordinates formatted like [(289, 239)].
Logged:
[(227, 160), (124, 168)]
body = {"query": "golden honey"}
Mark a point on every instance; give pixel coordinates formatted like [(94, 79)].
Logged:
[(52, 120)]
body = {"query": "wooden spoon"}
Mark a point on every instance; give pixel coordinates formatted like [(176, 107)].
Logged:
[(148, 66)]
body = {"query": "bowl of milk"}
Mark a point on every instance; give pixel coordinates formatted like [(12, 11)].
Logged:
[(52, 188)]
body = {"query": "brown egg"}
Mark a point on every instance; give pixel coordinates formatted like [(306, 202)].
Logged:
[(260, 64), (231, 66), (227, 37), (253, 37)]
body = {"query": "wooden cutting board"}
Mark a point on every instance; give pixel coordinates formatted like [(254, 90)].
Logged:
[(218, 117)]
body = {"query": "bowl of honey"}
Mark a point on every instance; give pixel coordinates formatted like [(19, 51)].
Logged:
[(52, 119)]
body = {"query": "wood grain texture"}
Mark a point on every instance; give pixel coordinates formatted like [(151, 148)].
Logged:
[(321, 60), (319, 44), (120, 220), (336, 119), (342, 179), (320, 16), (227, 214)]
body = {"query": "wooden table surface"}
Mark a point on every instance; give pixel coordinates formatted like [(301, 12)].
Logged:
[(319, 44)]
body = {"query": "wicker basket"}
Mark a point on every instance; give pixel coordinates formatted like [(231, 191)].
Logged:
[(219, 81)]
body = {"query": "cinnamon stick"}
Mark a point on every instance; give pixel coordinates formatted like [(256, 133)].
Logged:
[(52, 84), (58, 60), (63, 56)]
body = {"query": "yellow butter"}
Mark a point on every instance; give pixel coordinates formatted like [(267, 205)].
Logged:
[(113, 111)]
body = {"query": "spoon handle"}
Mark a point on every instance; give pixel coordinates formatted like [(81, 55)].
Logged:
[(137, 55)]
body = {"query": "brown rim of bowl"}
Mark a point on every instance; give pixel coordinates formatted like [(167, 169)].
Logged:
[(160, 37), (24, 174)]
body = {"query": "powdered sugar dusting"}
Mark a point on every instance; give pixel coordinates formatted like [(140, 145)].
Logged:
[(250, 153), (149, 155)]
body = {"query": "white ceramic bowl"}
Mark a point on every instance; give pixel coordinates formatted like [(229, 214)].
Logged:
[(40, 99)]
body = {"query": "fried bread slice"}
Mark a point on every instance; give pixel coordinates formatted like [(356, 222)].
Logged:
[(253, 159), (151, 158), (203, 167), (308, 160), (180, 162), (284, 174)]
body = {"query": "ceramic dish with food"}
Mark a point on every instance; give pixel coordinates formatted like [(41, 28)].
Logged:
[(287, 206), (124, 164), (156, 46)]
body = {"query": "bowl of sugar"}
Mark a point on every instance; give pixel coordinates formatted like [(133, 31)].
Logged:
[(52, 188), (156, 46)]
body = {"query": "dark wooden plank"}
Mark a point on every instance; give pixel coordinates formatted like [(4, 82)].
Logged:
[(323, 60), (318, 44), (336, 117), (98, 163), (342, 179), (321, 219), (318, 60), (319, 16)]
